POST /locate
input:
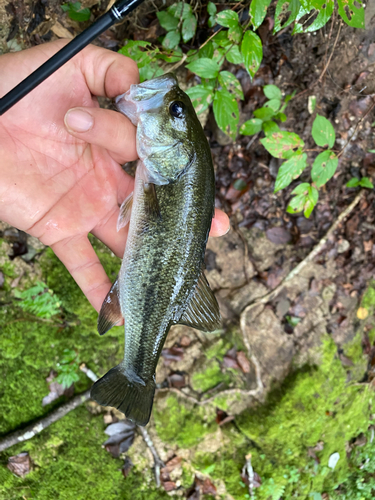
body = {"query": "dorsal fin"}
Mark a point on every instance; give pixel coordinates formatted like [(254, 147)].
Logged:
[(202, 312), (125, 212), (110, 312)]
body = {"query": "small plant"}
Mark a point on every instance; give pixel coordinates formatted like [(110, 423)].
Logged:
[(67, 368), (364, 182), (272, 110), (76, 12), (39, 300), (180, 22)]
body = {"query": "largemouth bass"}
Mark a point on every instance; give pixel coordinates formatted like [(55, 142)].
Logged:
[(161, 281)]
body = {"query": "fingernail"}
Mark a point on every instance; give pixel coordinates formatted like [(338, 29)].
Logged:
[(78, 120), (227, 231)]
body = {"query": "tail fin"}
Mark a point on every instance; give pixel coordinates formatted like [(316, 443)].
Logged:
[(131, 397)]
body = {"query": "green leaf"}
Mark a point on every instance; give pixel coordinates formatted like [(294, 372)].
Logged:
[(371, 150), (211, 8), (290, 170), (221, 39), (226, 112), (324, 167), (167, 21), (252, 52), (264, 113), (308, 208), (150, 71), (133, 50), (282, 9), (272, 92), (235, 34), (352, 14), (302, 188), (323, 132), (280, 116), (211, 21), (76, 12), (325, 10), (296, 204), (258, 11), (201, 97), (251, 127), (171, 39), (204, 67), (354, 182), (240, 185), (311, 104), (189, 27), (227, 18), (283, 144), (180, 10), (234, 55), (270, 127), (313, 195), (228, 81), (207, 51), (274, 104), (366, 183)]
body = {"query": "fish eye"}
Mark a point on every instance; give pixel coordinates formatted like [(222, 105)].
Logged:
[(177, 109)]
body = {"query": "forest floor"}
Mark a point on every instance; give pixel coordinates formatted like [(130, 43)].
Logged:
[(279, 403)]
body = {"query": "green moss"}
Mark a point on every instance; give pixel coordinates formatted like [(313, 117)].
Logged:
[(208, 378), (368, 300), (175, 423), (73, 466)]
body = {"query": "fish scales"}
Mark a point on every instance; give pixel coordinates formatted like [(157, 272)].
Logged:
[(161, 281)]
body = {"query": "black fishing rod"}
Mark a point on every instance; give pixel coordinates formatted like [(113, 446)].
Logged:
[(115, 14)]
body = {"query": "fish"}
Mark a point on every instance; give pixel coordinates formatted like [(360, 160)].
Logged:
[(161, 280)]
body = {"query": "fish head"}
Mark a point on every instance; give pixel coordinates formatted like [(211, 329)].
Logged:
[(166, 126)]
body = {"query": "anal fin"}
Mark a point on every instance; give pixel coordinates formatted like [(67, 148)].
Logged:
[(125, 212), (202, 312), (110, 312)]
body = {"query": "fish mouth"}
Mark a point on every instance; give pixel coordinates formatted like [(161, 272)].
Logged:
[(145, 96)]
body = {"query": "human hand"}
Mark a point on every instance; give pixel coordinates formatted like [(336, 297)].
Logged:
[(61, 174)]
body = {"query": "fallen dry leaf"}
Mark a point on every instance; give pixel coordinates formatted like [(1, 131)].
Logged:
[(20, 464), (243, 362)]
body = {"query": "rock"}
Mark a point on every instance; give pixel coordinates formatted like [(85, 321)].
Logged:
[(262, 249), (226, 266), (270, 345)]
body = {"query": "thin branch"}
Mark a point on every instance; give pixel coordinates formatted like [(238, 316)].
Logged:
[(317, 249), (356, 128), (31, 430), (330, 57)]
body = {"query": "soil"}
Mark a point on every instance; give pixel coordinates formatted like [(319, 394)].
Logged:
[(210, 382)]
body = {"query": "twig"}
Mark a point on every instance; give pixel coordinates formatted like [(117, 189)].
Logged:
[(157, 460), (178, 64), (317, 249), (33, 429), (146, 437), (330, 57)]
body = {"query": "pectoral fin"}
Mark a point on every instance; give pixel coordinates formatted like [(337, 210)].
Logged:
[(151, 201), (125, 212), (110, 312), (202, 312)]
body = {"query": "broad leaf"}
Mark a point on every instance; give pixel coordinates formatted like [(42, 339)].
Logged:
[(226, 112), (324, 167), (201, 97), (354, 182), (323, 132), (258, 11), (264, 113), (272, 92), (251, 127), (76, 12), (270, 127), (207, 51), (211, 8), (283, 144), (301, 188), (324, 9), (366, 183), (352, 12), (234, 55), (282, 9), (228, 81), (189, 27), (235, 34), (227, 18), (171, 39), (252, 52), (274, 104), (221, 39), (180, 10), (167, 21), (290, 170), (150, 71), (204, 67)]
